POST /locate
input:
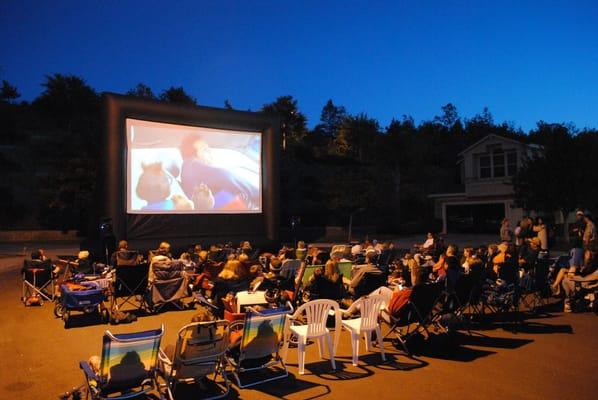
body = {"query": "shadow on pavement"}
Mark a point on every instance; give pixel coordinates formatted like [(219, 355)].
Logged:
[(293, 387)]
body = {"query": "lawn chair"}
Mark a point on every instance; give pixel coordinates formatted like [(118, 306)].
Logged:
[(537, 291), (345, 269), (130, 287), (128, 366), (259, 346), (369, 310), (302, 280), (168, 287), (312, 318), (289, 268), (199, 353), (415, 315), (38, 282)]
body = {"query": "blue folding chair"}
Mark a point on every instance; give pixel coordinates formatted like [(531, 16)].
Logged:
[(128, 367), (259, 347), (198, 355)]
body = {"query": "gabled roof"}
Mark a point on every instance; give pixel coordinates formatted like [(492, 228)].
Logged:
[(493, 135)]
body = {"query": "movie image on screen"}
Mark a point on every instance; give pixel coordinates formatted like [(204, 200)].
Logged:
[(192, 170)]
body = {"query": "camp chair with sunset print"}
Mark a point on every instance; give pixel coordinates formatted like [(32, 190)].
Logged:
[(197, 361), (258, 347), (128, 366)]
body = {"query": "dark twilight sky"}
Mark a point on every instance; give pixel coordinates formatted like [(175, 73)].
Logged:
[(525, 60)]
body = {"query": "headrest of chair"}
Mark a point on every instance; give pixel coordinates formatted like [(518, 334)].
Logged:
[(29, 264)]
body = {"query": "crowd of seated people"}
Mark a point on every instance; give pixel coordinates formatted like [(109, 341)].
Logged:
[(220, 269)]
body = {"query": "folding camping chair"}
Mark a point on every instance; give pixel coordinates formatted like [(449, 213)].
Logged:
[(130, 287), (537, 291), (128, 367), (259, 346), (302, 281), (289, 268), (198, 353), (415, 315), (168, 287), (369, 282), (38, 282)]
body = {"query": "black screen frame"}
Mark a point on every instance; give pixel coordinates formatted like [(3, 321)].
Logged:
[(186, 227)]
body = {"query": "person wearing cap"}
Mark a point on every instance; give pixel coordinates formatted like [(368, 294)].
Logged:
[(368, 268)]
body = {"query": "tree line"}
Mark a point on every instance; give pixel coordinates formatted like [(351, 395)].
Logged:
[(348, 164)]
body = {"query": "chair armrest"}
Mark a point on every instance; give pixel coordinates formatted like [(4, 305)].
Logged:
[(164, 358), (89, 374)]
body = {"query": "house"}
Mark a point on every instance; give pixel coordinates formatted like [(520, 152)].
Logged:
[(487, 168)]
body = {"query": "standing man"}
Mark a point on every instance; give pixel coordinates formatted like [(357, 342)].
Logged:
[(589, 233), (576, 241)]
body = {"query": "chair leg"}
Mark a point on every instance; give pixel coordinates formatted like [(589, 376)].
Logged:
[(355, 347), (380, 342), (368, 340), (301, 355), (331, 351), (285, 348), (320, 341)]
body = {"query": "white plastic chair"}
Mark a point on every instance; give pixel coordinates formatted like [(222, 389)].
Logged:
[(315, 314), (367, 323)]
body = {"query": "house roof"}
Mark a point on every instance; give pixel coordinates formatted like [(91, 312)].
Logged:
[(493, 135)]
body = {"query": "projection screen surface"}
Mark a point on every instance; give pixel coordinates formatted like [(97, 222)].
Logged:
[(179, 169)]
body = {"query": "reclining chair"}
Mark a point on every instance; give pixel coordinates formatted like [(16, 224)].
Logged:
[(259, 346), (128, 366), (168, 287), (199, 353), (38, 282)]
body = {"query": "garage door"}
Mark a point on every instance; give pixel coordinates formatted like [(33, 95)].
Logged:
[(474, 218)]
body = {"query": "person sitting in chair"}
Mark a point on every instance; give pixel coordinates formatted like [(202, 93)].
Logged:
[(327, 283), (160, 256), (505, 263), (124, 256), (40, 261), (428, 244), (83, 264), (368, 269)]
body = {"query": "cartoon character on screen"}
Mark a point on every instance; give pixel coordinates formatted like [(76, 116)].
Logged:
[(155, 187), (202, 197), (230, 192)]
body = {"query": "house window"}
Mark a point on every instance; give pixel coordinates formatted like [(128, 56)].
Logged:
[(485, 167), (498, 164), (511, 163)]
